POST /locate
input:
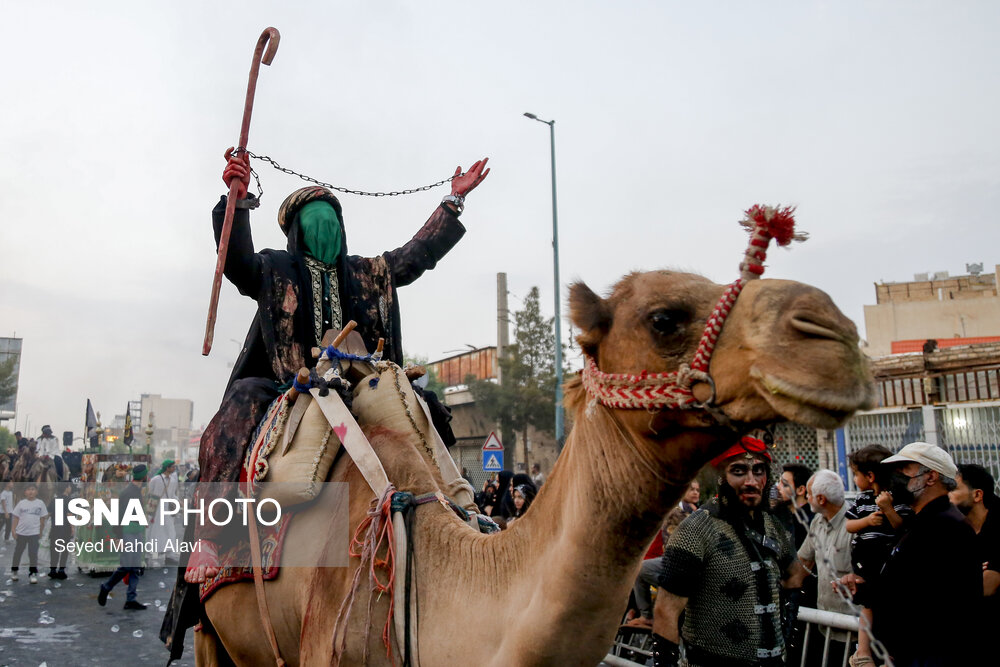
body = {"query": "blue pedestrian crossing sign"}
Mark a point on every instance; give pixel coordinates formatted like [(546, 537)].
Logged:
[(493, 460), (492, 454)]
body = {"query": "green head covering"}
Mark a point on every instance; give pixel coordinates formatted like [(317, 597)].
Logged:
[(166, 464), (139, 472), (320, 231)]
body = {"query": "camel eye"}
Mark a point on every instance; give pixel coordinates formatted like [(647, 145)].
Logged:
[(668, 322)]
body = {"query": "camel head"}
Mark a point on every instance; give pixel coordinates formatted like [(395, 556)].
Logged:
[(785, 350)]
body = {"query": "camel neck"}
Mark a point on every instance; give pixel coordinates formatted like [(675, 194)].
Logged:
[(586, 531)]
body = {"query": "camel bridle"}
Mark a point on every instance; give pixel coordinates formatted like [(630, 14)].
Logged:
[(673, 390)]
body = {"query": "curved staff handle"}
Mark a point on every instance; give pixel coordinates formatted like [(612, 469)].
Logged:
[(270, 38)]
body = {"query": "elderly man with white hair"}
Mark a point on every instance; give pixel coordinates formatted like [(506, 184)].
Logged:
[(827, 551)]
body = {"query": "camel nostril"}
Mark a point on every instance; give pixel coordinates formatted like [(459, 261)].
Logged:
[(812, 326)]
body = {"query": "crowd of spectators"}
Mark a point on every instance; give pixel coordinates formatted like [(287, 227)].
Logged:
[(915, 554), (508, 496)]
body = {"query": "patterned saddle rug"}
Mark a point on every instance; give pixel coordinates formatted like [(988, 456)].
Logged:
[(236, 564)]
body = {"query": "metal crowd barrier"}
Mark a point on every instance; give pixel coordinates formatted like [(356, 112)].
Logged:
[(633, 644), (826, 621)]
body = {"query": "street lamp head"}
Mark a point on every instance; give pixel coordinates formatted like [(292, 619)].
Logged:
[(530, 115)]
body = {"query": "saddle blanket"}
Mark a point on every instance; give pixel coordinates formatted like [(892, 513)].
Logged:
[(236, 564)]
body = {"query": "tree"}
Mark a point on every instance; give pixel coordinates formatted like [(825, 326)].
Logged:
[(7, 439), (8, 379), (119, 447), (434, 383), (526, 396)]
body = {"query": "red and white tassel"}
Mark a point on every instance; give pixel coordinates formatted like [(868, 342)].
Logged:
[(766, 223)]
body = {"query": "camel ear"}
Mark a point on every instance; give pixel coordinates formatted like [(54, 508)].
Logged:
[(591, 314)]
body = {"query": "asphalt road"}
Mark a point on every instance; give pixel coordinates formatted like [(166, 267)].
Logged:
[(80, 631)]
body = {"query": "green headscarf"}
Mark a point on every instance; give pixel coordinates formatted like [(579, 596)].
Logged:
[(320, 231), (166, 464)]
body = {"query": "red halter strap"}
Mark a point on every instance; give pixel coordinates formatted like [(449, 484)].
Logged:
[(672, 390)]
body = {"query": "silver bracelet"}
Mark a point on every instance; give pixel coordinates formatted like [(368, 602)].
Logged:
[(458, 201)]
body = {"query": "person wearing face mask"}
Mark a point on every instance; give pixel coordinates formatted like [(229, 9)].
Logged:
[(927, 597), (311, 286), (876, 521), (301, 292), (724, 568)]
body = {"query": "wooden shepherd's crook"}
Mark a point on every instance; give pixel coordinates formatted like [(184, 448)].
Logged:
[(270, 38)]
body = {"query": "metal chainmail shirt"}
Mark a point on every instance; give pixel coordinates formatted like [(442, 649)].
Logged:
[(327, 313), (734, 608)]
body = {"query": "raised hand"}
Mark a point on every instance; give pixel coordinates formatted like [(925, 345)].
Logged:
[(237, 167), (463, 184)]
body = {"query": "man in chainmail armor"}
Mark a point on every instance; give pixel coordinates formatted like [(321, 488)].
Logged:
[(724, 568)]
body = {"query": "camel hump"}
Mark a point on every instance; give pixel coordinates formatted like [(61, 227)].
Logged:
[(292, 471), (386, 398)]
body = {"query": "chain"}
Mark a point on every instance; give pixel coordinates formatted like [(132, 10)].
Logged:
[(877, 647), (271, 161)]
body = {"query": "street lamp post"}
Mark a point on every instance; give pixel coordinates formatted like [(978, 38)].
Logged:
[(555, 274)]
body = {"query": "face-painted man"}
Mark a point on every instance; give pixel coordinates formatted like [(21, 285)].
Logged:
[(724, 567)]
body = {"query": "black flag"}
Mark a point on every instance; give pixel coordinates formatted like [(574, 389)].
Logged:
[(128, 427), (91, 426)]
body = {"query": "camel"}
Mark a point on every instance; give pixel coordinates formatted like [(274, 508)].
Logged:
[(38, 469), (557, 581), (7, 461)]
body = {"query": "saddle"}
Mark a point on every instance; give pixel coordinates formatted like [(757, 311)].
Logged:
[(298, 440), (295, 444)]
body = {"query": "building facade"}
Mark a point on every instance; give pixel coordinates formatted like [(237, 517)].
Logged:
[(950, 309), (472, 428)]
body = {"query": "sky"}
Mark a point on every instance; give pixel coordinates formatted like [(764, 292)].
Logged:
[(877, 120)]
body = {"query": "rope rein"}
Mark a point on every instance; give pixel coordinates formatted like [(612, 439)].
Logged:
[(372, 533)]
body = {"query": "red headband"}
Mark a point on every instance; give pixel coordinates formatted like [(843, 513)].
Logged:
[(746, 445)]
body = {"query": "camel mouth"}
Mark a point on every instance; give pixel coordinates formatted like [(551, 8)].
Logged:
[(820, 408), (817, 330)]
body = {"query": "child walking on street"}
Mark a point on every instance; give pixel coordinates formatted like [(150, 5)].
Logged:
[(59, 536), (29, 519)]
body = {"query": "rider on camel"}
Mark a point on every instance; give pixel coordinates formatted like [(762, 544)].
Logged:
[(301, 292), (48, 445)]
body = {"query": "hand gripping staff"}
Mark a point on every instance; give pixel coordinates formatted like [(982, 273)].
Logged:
[(269, 38)]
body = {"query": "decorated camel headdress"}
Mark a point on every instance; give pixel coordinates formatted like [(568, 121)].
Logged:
[(673, 390)]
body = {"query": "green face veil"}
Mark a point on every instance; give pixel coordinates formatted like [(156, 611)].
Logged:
[(320, 231)]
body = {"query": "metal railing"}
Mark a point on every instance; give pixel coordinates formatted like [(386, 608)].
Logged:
[(632, 644), (936, 388), (826, 622)]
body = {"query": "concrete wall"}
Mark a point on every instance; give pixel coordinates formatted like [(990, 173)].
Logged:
[(167, 412), (909, 320), (472, 428), (958, 307)]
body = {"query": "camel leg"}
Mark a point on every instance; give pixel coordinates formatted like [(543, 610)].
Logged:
[(208, 650), (240, 631)]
